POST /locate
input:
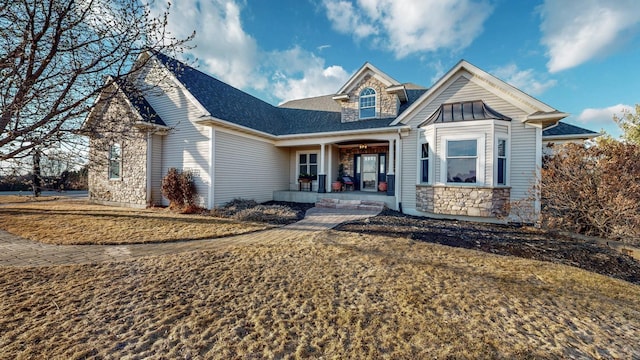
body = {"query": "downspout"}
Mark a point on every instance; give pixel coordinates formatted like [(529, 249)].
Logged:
[(399, 172), (212, 170), (149, 196)]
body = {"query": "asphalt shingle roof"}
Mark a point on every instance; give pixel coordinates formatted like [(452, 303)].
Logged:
[(141, 105), (564, 129), (225, 102)]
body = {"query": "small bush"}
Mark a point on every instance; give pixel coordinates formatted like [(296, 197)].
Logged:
[(179, 188)]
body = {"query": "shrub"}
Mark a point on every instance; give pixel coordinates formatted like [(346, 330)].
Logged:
[(273, 214), (249, 210), (594, 191), (179, 188)]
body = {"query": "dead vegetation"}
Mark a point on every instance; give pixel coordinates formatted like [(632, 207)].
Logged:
[(332, 295), (76, 222), (525, 242), (277, 213)]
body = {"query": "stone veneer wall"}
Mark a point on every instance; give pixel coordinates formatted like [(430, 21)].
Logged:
[(463, 200), (346, 156), (115, 126), (386, 104)]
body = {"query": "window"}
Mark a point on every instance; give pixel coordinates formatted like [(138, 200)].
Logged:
[(502, 162), (308, 164), (424, 163), (115, 164), (367, 103), (462, 161)]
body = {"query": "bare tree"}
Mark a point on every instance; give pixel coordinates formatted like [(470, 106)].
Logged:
[(55, 56)]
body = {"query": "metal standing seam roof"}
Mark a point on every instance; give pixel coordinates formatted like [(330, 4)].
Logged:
[(464, 111), (225, 102)]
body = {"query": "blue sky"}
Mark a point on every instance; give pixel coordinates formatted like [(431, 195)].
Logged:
[(580, 57)]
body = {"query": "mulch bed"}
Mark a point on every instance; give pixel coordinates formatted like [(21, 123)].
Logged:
[(512, 240)]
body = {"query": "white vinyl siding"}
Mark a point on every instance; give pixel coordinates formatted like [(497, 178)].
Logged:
[(186, 146), (247, 168), (156, 169), (523, 161)]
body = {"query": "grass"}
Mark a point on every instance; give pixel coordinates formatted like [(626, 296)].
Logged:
[(331, 295), (76, 222), (9, 199)]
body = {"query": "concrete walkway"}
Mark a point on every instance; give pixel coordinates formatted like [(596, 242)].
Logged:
[(17, 251)]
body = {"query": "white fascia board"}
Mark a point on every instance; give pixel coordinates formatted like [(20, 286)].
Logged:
[(337, 136), (213, 121), (143, 124), (341, 97), (553, 116), (570, 137), (398, 90)]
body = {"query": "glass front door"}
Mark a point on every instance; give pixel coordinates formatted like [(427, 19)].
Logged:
[(369, 175)]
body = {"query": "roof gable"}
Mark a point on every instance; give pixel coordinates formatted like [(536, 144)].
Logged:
[(513, 95), (367, 69)]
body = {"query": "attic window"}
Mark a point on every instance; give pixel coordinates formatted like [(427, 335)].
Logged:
[(367, 103)]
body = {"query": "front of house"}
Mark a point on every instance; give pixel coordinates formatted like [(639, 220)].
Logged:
[(465, 148)]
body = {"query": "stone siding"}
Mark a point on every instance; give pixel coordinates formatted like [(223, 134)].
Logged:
[(463, 200), (115, 125), (346, 156), (386, 104)]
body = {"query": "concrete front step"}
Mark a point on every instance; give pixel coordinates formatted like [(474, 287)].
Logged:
[(350, 204)]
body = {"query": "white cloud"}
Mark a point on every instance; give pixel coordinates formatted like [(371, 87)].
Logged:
[(576, 31), (525, 80), (408, 26), (603, 116), (222, 47), (302, 74)]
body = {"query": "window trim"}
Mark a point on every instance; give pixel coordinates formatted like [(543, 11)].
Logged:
[(507, 158), (429, 159), (480, 158), (374, 95), (307, 152), (111, 160)]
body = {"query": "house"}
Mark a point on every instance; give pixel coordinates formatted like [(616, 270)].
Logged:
[(563, 133), (464, 148)]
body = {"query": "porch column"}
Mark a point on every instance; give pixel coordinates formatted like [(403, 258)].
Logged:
[(391, 177), (322, 175)]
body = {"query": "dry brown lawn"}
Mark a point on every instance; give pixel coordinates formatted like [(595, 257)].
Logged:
[(327, 295), (7, 199), (78, 222)]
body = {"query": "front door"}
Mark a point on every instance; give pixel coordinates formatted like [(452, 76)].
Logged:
[(369, 175)]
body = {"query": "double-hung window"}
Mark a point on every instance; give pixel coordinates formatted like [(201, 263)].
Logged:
[(424, 162), (462, 161), (115, 161), (367, 103), (502, 162), (308, 164)]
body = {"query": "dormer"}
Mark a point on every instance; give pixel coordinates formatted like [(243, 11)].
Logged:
[(370, 94)]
